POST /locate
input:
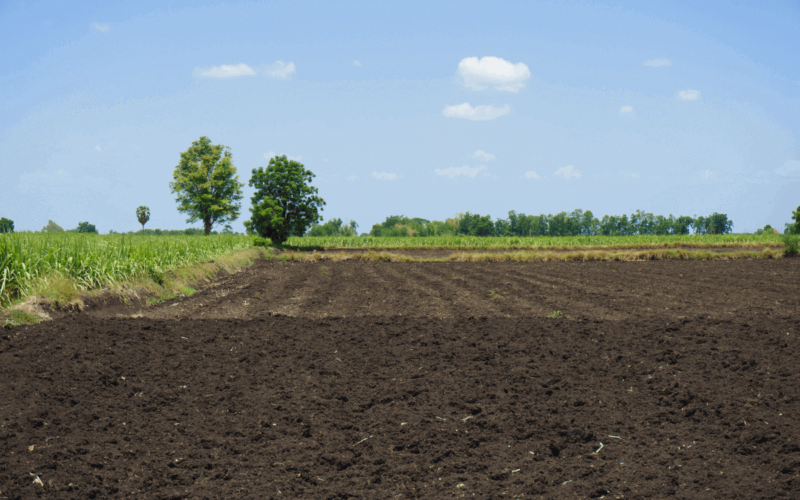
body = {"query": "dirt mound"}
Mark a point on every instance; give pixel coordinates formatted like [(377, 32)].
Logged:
[(419, 384)]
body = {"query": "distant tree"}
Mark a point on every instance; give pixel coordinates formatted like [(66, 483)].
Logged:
[(718, 224), (6, 225), (334, 227), (207, 185), (143, 215), (767, 230), (52, 227), (284, 204), (85, 227), (475, 225), (795, 228)]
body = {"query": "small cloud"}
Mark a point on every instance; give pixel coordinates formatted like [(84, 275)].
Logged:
[(530, 174), (657, 63), (101, 27), (357, 63), (384, 175), (98, 148), (707, 174), (568, 172), (478, 113), (225, 71), (271, 154), (629, 174), (503, 75), (351, 178), (465, 170), (790, 168), (280, 69), (482, 155), (626, 109), (689, 95)]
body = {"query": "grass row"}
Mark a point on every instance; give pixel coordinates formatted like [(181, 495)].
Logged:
[(538, 242), (541, 256)]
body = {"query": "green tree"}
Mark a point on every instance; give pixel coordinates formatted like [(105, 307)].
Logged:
[(207, 185), (334, 227), (52, 227), (284, 204), (85, 227), (143, 215), (795, 228), (6, 225)]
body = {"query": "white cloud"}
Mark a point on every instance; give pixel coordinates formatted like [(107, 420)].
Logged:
[(707, 174), (270, 154), (384, 175), (689, 95), (225, 71), (478, 113), (482, 155), (656, 63), (790, 168), (568, 172), (101, 27), (356, 62), (530, 174), (351, 178), (98, 148), (495, 71), (465, 170), (626, 109), (280, 69)]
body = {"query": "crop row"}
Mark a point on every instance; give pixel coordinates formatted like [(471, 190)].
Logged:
[(93, 260)]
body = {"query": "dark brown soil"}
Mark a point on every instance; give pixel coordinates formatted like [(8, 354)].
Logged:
[(335, 380)]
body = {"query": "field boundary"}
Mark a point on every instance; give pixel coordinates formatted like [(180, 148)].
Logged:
[(60, 296)]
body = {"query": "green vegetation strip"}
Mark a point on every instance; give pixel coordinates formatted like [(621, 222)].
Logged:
[(544, 256), (536, 243), (90, 260)]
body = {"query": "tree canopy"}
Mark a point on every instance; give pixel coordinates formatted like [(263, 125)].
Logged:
[(6, 225), (206, 183), (795, 228), (85, 227), (143, 215), (284, 204)]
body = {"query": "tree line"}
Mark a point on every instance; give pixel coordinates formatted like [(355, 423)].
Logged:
[(575, 223)]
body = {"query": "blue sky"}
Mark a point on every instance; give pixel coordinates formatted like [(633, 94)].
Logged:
[(416, 108)]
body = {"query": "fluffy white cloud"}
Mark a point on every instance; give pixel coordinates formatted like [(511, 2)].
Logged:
[(707, 174), (657, 62), (530, 174), (280, 69), (351, 178), (568, 172), (465, 170), (626, 109), (225, 71), (477, 74), (101, 27), (689, 95), (790, 168), (482, 155), (356, 62), (98, 148), (384, 175), (483, 112)]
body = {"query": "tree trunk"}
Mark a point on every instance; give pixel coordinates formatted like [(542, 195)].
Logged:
[(207, 223)]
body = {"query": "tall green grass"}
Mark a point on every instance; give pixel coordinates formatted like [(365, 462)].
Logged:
[(92, 260), (517, 242)]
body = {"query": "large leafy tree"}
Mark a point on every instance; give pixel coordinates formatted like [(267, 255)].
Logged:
[(284, 204), (206, 183), (85, 227), (6, 225), (143, 215)]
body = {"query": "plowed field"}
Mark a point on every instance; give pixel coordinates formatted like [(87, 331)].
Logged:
[(334, 380)]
